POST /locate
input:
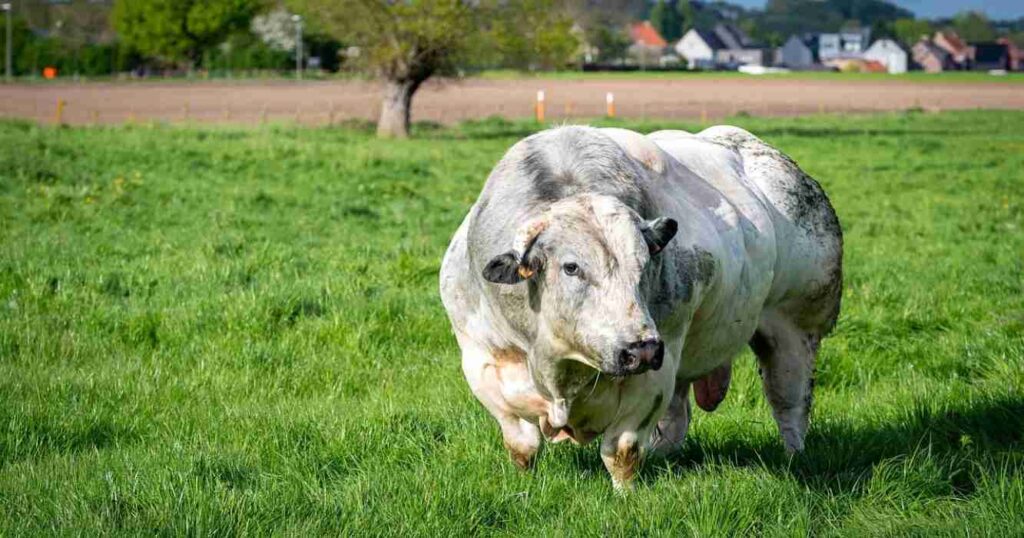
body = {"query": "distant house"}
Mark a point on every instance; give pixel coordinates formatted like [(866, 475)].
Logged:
[(798, 52), (724, 46), (987, 56), (846, 45), (698, 47), (958, 51), (931, 58), (1016, 55), (888, 53), (648, 45)]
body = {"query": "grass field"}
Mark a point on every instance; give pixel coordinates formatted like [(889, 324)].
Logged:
[(219, 331)]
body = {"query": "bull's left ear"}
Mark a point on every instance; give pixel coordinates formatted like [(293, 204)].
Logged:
[(659, 232)]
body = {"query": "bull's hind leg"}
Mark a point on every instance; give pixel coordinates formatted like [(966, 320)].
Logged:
[(670, 432), (786, 355)]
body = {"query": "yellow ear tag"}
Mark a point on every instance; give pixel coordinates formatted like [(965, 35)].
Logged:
[(525, 271)]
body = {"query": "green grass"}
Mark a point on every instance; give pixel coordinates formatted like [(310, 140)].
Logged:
[(913, 76), (237, 331)]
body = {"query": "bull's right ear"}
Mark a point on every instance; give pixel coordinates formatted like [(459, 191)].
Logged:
[(506, 269), (517, 264)]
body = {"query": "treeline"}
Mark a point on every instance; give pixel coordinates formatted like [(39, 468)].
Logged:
[(101, 37), (782, 18)]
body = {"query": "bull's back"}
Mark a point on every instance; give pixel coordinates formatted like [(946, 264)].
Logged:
[(808, 271), (762, 182)]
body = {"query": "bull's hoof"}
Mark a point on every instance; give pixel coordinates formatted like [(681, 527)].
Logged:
[(523, 460), (623, 487)]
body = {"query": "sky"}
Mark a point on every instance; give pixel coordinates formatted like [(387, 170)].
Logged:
[(995, 9)]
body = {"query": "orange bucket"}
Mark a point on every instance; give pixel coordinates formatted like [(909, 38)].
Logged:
[(49, 72)]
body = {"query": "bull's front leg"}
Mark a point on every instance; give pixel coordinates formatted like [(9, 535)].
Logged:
[(622, 454), (627, 441), (500, 381)]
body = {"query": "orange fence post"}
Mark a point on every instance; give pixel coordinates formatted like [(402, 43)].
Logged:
[(58, 115), (539, 107), (610, 101)]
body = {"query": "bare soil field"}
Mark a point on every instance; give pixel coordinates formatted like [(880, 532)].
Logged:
[(322, 102)]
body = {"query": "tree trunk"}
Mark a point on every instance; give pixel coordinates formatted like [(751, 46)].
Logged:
[(396, 108)]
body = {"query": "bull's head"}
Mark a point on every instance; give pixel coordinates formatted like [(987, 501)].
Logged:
[(584, 260)]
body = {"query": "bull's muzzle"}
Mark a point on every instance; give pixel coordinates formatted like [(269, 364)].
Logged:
[(641, 356)]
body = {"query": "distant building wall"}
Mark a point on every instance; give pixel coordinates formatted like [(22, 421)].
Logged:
[(931, 58), (696, 51), (740, 56), (888, 53), (795, 54)]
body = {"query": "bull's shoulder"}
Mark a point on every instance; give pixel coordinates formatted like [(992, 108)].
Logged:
[(459, 290), (638, 147)]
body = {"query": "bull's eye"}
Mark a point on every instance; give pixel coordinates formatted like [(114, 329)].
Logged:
[(571, 269)]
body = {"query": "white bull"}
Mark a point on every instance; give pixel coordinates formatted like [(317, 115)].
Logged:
[(602, 273)]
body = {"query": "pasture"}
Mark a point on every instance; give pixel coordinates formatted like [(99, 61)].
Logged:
[(226, 330)]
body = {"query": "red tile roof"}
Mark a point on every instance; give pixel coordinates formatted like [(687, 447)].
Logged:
[(645, 34), (955, 44)]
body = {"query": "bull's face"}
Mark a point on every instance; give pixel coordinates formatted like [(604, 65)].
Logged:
[(585, 262)]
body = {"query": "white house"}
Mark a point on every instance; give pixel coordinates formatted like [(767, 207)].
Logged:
[(698, 47), (888, 53), (725, 46)]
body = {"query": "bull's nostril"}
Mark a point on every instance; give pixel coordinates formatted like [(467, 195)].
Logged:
[(642, 355), (659, 357)]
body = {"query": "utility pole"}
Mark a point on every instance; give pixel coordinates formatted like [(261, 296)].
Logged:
[(297, 19), (8, 64)]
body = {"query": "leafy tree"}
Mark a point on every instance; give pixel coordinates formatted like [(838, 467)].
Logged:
[(869, 12), (604, 23), (665, 19), (787, 17), (687, 16), (973, 26), (910, 31), (180, 30), (534, 34), (407, 42), (612, 42)]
